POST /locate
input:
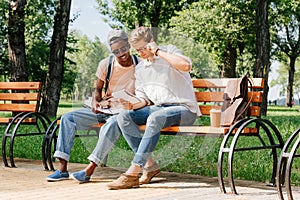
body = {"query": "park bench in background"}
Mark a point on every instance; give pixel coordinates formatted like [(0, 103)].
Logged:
[(209, 94), (289, 152), (19, 107)]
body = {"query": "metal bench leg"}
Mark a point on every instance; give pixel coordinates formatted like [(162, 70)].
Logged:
[(289, 168), (4, 158), (222, 151)]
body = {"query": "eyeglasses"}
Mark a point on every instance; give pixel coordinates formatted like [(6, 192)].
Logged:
[(142, 48), (121, 50)]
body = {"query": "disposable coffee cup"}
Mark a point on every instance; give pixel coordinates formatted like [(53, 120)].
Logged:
[(215, 118)]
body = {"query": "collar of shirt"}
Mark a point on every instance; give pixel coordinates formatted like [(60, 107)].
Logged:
[(148, 63)]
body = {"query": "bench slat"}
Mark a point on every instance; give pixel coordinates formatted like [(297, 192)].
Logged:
[(194, 129), (20, 85), (6, 120), (218, 96), (209, 96), (205, 110), (19, 107), (20, 96), (221, 83)]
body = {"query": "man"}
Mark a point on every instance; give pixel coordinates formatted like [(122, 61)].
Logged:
[(122, 77), (164, 83)]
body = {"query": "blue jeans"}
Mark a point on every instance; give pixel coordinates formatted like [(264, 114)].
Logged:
[(108, 136), (155, 118), (82, 119)]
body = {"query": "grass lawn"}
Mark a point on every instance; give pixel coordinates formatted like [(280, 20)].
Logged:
[(194, 155)]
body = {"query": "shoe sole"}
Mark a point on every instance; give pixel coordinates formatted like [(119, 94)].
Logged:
[(85, 181), (158, 173), (55, 179), (121, 188)]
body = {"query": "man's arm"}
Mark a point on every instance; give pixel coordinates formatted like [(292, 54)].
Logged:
[(98, 90), (97, 97), (178, 62)]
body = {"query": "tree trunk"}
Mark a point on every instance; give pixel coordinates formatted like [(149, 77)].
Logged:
[(57, 54), (16, 41), (229, 62), (290, 92), (263, 49)]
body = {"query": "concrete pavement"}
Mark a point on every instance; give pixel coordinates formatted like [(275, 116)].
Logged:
[(27, 182)]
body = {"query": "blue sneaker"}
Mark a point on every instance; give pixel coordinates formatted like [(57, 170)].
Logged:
[(80, 176), (58, 176)]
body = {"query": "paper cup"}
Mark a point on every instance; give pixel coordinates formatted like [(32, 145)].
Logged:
[(215, 118)]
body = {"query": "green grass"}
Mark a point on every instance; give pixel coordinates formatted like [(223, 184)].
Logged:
[(194, 155)]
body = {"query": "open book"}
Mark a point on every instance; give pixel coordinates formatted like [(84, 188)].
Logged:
[(124, 94)]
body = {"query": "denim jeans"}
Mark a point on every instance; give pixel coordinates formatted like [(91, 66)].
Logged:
[(155, 118), (108, 136), (82, 119)]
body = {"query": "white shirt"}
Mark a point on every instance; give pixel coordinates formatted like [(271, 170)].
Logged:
[(161, 83)]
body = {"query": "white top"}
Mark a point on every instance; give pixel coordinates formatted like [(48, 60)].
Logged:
[(161, 83)]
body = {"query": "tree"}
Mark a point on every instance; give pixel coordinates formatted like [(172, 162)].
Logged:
[(286, 37), (16, 41), (262, 49), (132, 14), (39, 25), (57, 54), (225, 28), (4, 61)]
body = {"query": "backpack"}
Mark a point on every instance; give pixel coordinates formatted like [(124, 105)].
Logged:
[(236, 103), (109, 68)]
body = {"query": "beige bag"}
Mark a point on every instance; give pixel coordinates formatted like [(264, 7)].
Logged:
[(236, 102)]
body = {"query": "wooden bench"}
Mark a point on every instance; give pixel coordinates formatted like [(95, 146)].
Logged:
[(284, 169), (209, 94), (19, 105)]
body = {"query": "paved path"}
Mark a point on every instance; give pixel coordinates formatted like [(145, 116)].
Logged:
[(27, 182)]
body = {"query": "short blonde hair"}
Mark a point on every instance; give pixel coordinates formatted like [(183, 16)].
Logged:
[(140, 33)]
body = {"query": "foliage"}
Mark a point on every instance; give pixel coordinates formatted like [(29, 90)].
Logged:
[(285, 25), (203, 66), (286, 37), (38, 20), (39, 24), (218, 23), (4, 62), (131, 14), (86, 58)]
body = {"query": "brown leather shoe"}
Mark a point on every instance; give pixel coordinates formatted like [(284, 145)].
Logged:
[(124, 182), (148, 175)]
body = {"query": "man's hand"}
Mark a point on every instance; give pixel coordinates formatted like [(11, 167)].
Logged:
[(152, 47), (104, 103)]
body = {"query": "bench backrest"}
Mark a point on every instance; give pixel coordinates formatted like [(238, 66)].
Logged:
[(209, 94), (19, 97)]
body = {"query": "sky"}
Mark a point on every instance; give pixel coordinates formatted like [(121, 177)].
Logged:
[(90, 23)]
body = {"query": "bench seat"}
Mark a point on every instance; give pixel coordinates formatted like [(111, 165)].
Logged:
[(19, 106), (209, 94)]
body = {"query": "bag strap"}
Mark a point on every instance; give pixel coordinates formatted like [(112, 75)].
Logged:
[(108, 71), (135, 60), (109, 68), (250, 81)]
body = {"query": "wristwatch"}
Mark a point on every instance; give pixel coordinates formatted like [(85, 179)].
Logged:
[(156, 51)]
